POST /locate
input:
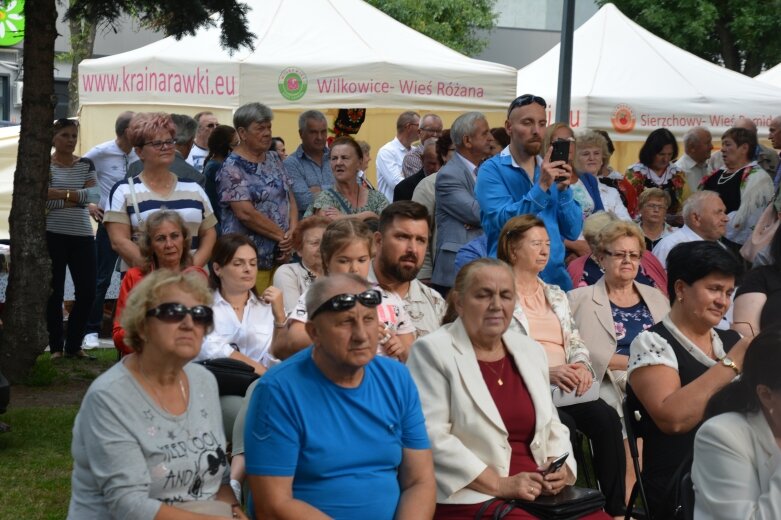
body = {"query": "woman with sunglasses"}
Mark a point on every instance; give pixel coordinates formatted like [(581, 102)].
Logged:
[(148, 439), (133, 200), (346, 247), (69, 238), (221, 142), (165, 245)]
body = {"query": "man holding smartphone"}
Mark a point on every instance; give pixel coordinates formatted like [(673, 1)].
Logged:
[(519, 181)]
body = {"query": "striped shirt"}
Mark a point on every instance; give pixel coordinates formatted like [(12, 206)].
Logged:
[(186, 198), (74, 220)]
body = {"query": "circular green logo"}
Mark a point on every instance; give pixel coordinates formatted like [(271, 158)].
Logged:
[(292, 84), (11, 23)]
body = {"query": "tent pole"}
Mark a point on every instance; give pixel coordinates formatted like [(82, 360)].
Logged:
[(565, 63)]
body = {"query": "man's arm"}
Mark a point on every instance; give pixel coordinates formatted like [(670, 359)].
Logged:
[(498, 203), (387, 169), (273, 499), (569, 216), (304, 193), (418, 485), (122, 243), (455, 198)]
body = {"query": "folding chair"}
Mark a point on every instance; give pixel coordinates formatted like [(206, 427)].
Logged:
[(632, 420)]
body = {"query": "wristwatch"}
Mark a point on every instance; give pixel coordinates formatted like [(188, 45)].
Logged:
[(727, 362)]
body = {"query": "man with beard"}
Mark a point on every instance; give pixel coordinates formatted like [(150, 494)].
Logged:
[(518, 182), (400, 245)]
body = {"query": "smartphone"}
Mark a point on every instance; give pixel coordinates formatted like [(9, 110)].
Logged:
[(560, 150), (555, 465)]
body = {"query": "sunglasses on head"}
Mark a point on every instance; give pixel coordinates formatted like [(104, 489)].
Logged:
[(526, 99), (175, 312), (344, 302), (63, 122)]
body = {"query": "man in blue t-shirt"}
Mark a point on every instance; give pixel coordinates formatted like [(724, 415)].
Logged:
[(335, 431)]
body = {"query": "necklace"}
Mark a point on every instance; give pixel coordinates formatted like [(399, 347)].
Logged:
[(494, 372), (157, 395), (725, 179)]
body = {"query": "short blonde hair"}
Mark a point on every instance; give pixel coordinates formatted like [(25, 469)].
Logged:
[(653, 193), (594, 224), (619, 229), (514, 230), (591, 139), (147, 294)]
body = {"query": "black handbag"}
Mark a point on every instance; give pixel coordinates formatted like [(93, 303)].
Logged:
[(233, 376), (572, 503)]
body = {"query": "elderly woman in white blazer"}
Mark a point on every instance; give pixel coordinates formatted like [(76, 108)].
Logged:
[(610, 313), (461, 370), (737, 451)]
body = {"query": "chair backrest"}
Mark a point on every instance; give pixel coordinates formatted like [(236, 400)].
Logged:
[(687, 497), (632, 422)]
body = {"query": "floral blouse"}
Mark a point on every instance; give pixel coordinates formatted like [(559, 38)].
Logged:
[(267, 187), (574, 349), (673, 181), (375, 202)]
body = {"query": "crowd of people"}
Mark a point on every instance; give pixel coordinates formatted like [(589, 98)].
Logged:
[(439, 346)]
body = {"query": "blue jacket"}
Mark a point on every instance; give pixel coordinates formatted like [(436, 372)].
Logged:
[(504, 191), (592, 187)]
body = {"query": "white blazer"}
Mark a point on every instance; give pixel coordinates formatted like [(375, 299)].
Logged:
[(466, 431), (737, 469), (594, 318)]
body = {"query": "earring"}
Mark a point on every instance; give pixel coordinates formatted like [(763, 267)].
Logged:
[(680, 299)]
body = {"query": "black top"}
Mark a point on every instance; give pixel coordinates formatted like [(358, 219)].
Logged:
[(766, 280), (663, 453), (405, 189), (727, 185)]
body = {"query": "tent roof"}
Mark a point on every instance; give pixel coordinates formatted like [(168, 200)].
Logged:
[(319, 40), (771, 76), (616, 59)]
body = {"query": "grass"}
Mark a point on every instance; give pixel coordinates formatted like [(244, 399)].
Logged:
[(35, 458)]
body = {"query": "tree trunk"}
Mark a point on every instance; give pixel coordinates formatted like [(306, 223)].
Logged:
[(82, 43), (24, 335)]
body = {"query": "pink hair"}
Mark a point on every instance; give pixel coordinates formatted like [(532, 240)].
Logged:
[(146, 125)]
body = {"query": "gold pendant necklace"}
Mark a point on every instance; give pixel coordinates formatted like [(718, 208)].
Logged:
[(499, 374)]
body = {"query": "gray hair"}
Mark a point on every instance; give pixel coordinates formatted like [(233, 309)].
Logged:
[(692, 136), (310, 114), (323, 289), (123, 122), (406, 118), (696, 203), (430, 116), (199, 115), (594, 223), (186, 127), (748, 124), (463, 126), (365, 147), (250, 113)]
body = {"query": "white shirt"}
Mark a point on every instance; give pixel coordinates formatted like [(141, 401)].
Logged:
[(252, 335), (196, 157), (389, 160), (293, 280), (110, 166), (663, 248), (694, 172), (611, 200)]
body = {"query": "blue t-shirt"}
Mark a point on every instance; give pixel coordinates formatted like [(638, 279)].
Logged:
[(343, 446), (629, 322)]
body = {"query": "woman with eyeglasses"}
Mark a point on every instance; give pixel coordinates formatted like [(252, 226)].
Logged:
[(679, 363), (542, 312), (148, 439), (653, 204), (133, 200), (346, 247), (221, 142), (164, 245), (69, 239), (610, 313), (256, 196)]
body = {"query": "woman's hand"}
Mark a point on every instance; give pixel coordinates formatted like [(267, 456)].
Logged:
[(95, 212), (331, 213), (526, 486), (585, 379), (555, 481), (392, 345), (565, 377), (273, 296)]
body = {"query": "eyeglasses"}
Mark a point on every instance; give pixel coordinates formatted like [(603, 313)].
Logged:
[(212, 125), (622, 255), (657, 207), (175, 312), (433, 131), (526, 99), (345, 302), (158, 145)]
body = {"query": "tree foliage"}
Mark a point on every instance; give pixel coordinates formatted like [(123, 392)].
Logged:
[(454, 23), (24, 333), (741, 35)]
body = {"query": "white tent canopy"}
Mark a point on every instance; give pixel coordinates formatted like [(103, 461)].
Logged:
[(771, 76), (628, 81), (308, 53)]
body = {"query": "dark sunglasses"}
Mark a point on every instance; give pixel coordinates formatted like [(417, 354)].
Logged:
[(175, 312), (526, 99), (344, 302)]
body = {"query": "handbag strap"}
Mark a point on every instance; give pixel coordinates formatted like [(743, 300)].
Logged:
[(340, 199), (134, 202), (484, 508)]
